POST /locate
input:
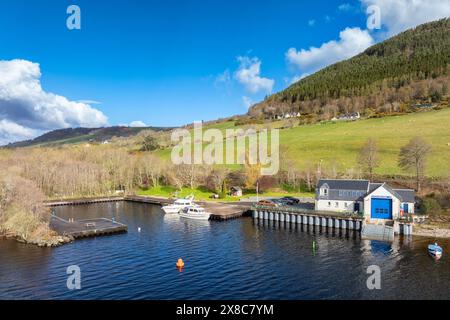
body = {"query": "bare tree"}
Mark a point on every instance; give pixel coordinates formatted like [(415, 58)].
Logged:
[(368, 157), (413, 156), (214, 180)]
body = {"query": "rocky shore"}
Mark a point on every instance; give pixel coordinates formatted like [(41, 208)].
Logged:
[(431, 231), (52, 241)]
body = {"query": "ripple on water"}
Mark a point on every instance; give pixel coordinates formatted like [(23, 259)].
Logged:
[(237, 259)]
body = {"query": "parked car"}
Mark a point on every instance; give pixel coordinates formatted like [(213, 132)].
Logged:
[(280, 202), (290, 200), (267, 203)]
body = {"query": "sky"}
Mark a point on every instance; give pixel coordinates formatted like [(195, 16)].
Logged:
[(168, 63)]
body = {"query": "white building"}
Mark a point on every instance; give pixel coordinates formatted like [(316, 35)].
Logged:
[(377, 201), (348, 117)]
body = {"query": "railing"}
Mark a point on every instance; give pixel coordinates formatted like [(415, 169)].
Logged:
[(308, 211)]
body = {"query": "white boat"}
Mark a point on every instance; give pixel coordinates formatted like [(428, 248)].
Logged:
[(435, 251), (178, 205), (195, 212)]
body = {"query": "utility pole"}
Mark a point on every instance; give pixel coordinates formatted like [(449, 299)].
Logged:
[(257, 191)]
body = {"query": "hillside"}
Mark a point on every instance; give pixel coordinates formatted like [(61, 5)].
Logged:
[(75, 135), (411, 67), (337, 144)]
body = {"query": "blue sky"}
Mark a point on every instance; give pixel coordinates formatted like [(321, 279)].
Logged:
[(168, 63)]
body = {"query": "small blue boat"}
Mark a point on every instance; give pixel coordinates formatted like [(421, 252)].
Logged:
[(435, 251)]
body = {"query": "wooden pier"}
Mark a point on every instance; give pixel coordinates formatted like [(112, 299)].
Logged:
[(150, 200), (81, 201), (86, 228), (220, 210)]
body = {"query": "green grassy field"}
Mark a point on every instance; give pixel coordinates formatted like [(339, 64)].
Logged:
[(337, 144), (200, 194)]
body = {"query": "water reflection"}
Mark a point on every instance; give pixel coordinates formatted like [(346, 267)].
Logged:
[(235, 259)]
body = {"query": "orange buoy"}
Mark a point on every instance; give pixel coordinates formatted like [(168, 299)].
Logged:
[(180, 263)]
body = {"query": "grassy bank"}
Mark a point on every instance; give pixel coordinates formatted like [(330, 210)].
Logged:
[(202, 194), (337, 144)]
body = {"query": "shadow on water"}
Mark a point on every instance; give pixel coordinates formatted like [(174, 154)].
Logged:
[(237, 259)]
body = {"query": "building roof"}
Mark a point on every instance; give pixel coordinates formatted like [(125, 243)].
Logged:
[(341, 184), (357, 190), (406, 194), (374, 186)]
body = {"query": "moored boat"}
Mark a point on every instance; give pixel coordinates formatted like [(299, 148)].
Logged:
[(195, 212), (435, 251), (178, 205)]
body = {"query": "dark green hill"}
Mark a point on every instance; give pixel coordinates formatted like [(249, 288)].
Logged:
[(74, 135), (379, 73)]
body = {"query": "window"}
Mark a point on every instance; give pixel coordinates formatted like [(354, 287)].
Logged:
[(346, 205), (337, 204), (329, 204), (324, 191)]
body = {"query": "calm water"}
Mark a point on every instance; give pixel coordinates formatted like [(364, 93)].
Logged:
[(224, 260)]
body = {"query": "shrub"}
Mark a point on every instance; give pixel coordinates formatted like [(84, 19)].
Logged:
[(149, 143), (430, 206)]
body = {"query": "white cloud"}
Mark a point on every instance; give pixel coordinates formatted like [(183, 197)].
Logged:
[(248, 102), (399, 15), (223, 78), (311, 23), (352, 41), (137, 124), (248, 74), (89, 101), (11, 131), (27, 110), (345, 7)]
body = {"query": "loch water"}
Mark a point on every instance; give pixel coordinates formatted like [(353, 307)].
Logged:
[(236, 259)]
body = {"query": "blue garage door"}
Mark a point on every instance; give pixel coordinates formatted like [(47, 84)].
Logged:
[(381, 208)]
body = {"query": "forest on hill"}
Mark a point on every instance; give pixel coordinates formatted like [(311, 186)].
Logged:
[(390, 77)]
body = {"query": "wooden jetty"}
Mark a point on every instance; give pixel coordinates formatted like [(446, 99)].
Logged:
[(86, 228), (220, 210), (150, 200), (81, 201)]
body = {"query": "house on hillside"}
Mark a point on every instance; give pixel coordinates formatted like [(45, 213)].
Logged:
[(287, 115), (377, 201), (424, 106), (348, 117), (236, 191)]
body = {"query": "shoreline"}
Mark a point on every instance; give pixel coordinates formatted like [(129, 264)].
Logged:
[(53, 241), (61, 239), (440, 233)]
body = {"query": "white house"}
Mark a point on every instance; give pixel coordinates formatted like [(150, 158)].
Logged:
[(348, 117), (287, 115), (377, 201)]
